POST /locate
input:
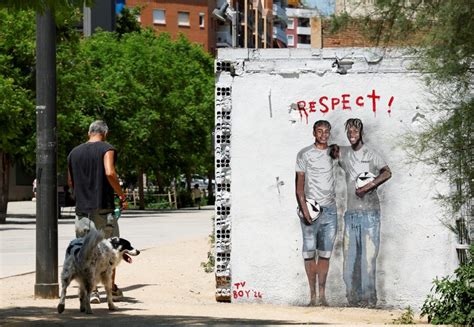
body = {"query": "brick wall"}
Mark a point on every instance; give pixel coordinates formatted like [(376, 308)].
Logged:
[(353, 35), (203, 35)]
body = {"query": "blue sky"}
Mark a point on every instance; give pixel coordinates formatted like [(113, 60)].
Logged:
[(326, 7)]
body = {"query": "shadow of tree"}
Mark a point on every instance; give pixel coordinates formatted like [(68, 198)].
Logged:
[(42, 316)]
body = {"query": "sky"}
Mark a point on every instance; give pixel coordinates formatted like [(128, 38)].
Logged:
[(325, 7)]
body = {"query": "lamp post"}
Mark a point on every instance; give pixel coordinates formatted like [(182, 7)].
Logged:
[(46, 285)]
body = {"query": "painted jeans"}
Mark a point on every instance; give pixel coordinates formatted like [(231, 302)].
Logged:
[(319, 236), (361, 247)]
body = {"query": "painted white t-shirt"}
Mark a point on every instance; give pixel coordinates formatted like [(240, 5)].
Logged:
[(319, 182), (355, 163)]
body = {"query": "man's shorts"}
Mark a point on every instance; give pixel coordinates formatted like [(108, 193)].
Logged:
[(102, 219), (321, 234)]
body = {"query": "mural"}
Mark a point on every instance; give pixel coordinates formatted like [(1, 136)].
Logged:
[(365, 213)]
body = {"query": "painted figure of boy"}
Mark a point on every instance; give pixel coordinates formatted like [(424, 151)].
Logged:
[(315, 180), (362, 217)]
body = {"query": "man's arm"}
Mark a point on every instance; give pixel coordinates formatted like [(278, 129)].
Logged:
[(384, 175), (300, 197), (70, 183), (109, 166)]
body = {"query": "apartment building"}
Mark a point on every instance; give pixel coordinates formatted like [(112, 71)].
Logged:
[(252, 21), (192, 18), (218, 23), (304, 28), (280, 24)]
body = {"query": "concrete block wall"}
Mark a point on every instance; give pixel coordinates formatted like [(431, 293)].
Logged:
[(259, 131)]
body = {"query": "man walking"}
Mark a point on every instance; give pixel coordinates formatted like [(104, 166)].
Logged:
[(92, 176), (362, 217), (315, 180)]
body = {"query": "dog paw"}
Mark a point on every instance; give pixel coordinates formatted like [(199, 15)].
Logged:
[(89, 311), (60, 308), (113, 307)]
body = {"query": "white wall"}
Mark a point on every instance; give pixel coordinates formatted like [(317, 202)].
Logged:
[(266, 135)]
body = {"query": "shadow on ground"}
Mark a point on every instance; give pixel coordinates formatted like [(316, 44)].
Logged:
[(41, 316)]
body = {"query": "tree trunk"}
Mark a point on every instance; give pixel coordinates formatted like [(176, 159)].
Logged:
[(210, 197), (160, 182), (141, 192), (4, 180), (188, 181)]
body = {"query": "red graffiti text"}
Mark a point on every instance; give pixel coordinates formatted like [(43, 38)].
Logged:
[(345, 101), (241, 292)]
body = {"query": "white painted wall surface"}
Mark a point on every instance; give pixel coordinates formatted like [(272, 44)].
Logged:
[(266, 136)]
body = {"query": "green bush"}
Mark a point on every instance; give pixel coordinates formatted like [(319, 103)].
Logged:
[(452, 299), (162, 204), (406, 318), (211, 260), (185, 199)]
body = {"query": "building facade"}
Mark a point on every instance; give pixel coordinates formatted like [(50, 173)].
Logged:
[(213, 23), (193, 18), (304, 28)]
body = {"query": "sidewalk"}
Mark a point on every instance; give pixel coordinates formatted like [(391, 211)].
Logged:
[(165, 285)]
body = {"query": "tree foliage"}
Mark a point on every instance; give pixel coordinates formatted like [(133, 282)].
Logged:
[(445, 45), (156, 94), (17, 59), (444, 51), (451, 301)]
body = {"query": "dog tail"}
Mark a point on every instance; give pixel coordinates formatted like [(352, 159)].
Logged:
[(91, 240)]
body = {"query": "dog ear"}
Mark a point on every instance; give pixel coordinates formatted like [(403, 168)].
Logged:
[(115, 241)]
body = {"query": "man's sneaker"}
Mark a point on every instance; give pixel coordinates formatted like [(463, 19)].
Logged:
[(117, 293), (95, 298)]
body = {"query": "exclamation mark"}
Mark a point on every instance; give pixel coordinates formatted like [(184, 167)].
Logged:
[(390, 102)]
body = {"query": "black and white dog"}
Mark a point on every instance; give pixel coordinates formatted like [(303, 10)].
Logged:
[(91, 260)]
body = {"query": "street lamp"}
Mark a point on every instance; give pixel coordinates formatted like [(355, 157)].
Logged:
[(224, 13)]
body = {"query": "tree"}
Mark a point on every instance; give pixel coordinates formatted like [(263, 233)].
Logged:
[(58, 7), (156, 95), (445, 52), (16, 94)]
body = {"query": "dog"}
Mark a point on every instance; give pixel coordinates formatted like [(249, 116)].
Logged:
[(91, 260)]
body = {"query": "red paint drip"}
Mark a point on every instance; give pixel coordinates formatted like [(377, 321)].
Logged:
[(390, 102)]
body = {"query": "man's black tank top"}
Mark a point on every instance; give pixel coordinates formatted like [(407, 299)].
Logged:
[(91, 187)]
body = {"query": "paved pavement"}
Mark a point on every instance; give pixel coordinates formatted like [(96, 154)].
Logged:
[(145, 229), (165, 285)]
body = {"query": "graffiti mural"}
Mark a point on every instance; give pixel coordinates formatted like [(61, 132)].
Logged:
[(365, 213)]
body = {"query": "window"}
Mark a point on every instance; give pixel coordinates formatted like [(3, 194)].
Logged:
[(303, 22), (159, 16), (138, 18), (304, 39), (183, 18), (291, 40), (291, 24), (201, 20)]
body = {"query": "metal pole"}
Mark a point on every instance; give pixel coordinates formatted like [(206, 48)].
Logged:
[(46, 285), (234, 29)]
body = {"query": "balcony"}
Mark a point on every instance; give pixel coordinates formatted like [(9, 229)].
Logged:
[(303, 30), (303, 46), (279, 33), (280, 13)]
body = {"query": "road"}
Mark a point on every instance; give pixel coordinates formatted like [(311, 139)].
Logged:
[(145, 229)]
